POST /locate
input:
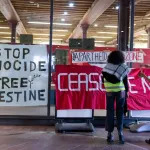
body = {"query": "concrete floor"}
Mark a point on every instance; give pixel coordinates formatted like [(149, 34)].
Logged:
[(45, 138)]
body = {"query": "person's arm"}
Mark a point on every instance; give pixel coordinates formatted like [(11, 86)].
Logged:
[(102, 78), (141, 74), (125, 81)]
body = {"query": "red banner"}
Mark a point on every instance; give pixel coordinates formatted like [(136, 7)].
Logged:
[(80, 87)]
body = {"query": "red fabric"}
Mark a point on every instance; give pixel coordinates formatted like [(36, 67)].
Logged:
[(139, 94)]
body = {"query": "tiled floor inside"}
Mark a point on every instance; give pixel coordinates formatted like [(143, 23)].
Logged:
[(45, 138)]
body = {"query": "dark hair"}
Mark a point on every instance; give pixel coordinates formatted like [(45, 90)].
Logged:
[(116, 57)]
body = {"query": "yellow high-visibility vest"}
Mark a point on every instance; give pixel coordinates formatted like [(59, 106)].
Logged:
[(110, 87)]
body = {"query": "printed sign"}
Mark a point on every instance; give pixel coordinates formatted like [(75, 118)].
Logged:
[(101, 57), (23, 75)]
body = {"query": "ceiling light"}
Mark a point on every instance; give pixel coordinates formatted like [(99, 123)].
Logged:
[(57, 39), (4, 27), (31, 2), (59, 30), (95, 25), (6, 37), (143, 39), (58, 35), (56, 23), (62, 24), (108, 32), (117, 7), (104, 37), (44, 43), (71, 4), (37, 22), (47, 39), (48, 34), (62, 19), (39, 38), (65, 13), (5, 33), (144, 34), (110, 26), (40, 34), (99, 41)]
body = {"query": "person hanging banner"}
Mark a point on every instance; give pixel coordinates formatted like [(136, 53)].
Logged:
[(81, 87)]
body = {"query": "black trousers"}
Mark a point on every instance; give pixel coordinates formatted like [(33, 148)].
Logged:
[(120, 100)]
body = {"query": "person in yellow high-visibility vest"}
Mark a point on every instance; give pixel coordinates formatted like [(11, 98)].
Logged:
[(115, 82)]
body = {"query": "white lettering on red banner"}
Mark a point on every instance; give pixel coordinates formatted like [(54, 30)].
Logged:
[(97, 85), (81, 87)]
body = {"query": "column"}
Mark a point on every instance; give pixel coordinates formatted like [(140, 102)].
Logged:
[(84, 29), (148, 44), (13, 25), (123, 25)]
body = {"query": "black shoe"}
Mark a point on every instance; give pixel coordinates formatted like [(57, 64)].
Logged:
[(147, 141), (110, 138), (121, 139)]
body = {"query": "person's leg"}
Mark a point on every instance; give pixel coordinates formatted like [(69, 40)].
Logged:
[(110, 116), (120, 100)]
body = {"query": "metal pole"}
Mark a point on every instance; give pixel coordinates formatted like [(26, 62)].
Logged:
[(123, 25), (118, 28), (50, 55), (132, 23)]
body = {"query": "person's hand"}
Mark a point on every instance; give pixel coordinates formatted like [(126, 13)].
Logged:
[(141, 74), (147, 66)]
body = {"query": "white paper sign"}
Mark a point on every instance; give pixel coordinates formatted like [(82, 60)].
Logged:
[(101, 57), (23, 75)]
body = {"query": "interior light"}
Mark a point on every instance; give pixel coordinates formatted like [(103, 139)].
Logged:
[(99, 41), (117, 7), (59, 30), (104, 37), (4, 27), (55, 23), (5, 33), (31, 2), (6, 37), (71, 4), (37, 22), (110, 26), (65, 13), (95, 25), (108, 32), (62, 19), (144, 34), (63, 24)]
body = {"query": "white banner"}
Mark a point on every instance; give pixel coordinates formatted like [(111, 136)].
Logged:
[(101, 57), (23, 75)]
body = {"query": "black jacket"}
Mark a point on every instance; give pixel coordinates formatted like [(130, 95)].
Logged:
[(112, 79)]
